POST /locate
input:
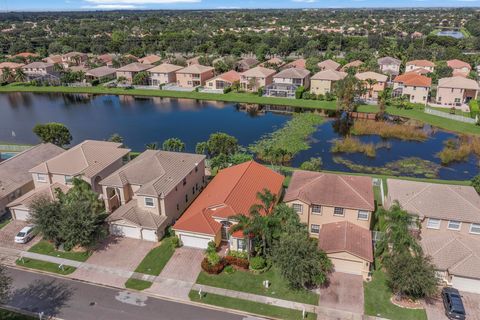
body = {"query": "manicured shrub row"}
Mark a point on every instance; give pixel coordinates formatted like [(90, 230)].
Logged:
[(215, 269), (227, 261)]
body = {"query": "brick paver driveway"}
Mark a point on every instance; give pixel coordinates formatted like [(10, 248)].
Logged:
[(345, 292), (8, 233), (471, 302)]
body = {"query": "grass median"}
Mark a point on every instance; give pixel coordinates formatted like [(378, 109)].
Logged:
[(45, 247), (44, 266), (137, 284)]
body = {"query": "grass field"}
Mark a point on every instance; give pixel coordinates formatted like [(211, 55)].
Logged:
[(10, 315)]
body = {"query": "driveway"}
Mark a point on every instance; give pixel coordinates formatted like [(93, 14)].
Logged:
[(471, 302), (8, 233), (114, 260), (344, 292)]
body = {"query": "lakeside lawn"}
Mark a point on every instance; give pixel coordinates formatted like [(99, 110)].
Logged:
[(44, 266), (251, 283), (249, 306), (137, 284), (45, 247), (377, 301)]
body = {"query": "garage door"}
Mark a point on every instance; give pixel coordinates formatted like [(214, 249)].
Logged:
[(150, 235), (347, 266), (22, 215), (466, 284), (194, 241), (124, 231)]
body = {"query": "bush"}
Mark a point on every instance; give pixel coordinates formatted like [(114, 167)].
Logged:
[(474, 108), (299, 92), (305, 95), (212, 247), (227, 89), (238, 262), (95, 82), (213, 258), (238, 254), (260, 92), (176, 243), (212, 269), (321, 97), (257, 263), (314, 164), (229, 270)]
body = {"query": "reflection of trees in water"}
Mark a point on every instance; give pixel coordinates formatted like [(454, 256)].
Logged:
[(72, 99), (342, 125), (19, 99)]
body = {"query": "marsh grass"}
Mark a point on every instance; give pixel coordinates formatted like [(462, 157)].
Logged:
[(458, 150), (388, 130), (354, 145)]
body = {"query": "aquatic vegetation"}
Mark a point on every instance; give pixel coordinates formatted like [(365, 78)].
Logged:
[(458, 150), (389, 130), (354, 145)]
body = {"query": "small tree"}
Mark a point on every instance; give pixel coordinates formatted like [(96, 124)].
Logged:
[(116, 138), (221, 143), (347, 90), (201, 147), (141, 78), (53, 132), (151, 146), (240, 157), (314, 164), (173, 144), (46, 215), (299, 92), (476, 183)]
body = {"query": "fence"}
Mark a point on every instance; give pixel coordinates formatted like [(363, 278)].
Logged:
[(449, 116)]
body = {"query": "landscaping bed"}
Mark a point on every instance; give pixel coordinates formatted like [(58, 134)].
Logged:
[(47, 248), (44, 266)]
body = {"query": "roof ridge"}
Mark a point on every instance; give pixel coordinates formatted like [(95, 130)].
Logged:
[(238, 181), (445, 244), (353, 189), (322, 174), (458, 194)]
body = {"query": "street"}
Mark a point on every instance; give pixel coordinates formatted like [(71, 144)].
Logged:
[(69, 299)]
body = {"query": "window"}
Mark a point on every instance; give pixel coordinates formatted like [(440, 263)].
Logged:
[(193, 190), (433, 223), (363, 215), (475, 228), (184, 181), (196, 169), (186, 198), (315, 228), (298, 208), (454, 225), (241, 245), (338, 212), (149, 202), (316, 209), (68, 179), (178, 207), (41, 177)]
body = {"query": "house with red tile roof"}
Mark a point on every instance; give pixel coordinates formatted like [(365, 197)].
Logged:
[(233, 191), (415, 65), (223, 81), (413, 85), (151, 59), (299, 63), (459, 67)]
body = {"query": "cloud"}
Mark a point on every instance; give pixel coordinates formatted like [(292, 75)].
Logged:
[(112, 6), (138, 2), (305, 1)]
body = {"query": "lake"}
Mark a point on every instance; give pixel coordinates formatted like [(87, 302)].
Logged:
[(143, 120), (451, 33)]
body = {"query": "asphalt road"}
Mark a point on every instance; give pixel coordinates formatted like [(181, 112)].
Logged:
[(71, 300)]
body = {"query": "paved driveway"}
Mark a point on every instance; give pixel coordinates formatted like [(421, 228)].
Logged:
[(344, 292), (471, 301), (8, 233)]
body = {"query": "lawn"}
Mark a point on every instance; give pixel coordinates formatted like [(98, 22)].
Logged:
[(137, 284), (4, 222), (45, 247), (157, 258), (377, 301), (44, 266), (251, 283), (249, 306), (10, 315)]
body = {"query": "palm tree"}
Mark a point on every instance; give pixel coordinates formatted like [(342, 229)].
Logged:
[(370, 83), (383, 100), (151, 146), (58, 67), (7, 74), (20, 75)]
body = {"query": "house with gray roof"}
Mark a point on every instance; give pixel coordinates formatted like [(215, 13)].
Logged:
[(151, 192), (389, 65), (101, 74), (286, 82)]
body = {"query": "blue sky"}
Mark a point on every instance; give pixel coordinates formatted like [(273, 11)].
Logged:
[(43, 5)]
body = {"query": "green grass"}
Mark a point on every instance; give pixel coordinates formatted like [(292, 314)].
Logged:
[(251, 283), (458, 112), (137, 284), (377, 301), (157, 258), (4, 222), (44, 266), (249, 306), (45, 247), (10, 315)]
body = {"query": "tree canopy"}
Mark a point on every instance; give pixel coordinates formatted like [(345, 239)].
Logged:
[(53, 132)]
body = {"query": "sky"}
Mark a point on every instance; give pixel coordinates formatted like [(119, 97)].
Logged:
[(56, 5)]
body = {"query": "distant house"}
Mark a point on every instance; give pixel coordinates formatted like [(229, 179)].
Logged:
[(151, 59), (413, 85), (324, 81), (275, 61), (374, 83), (223, 81), (420, 66), (151, 192), (106, 59), (256, 78), (25, 55), (193, 61), (131, 70), (389, 65), (38, 69), (233, 191), (15, 178), (194, 75), (163, 74), (299, 63), (354, 64), (246, 64), (101, 74), (329, 64), (286, 82), (9, 65), (74, 58), (459, 68), (456, 91), (53, 59)]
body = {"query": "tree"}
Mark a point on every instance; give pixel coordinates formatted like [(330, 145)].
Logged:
[(53, 132), (300, 261), (116, 138), (314, 164), (7, 74), (221, 143), (383, 100), (299, 92), (151, 146), (20, 75), (476, 183), (173, 144), (5, 285), (347, 90), (201, 147), (240, 157), (141, 78), (46, 215)]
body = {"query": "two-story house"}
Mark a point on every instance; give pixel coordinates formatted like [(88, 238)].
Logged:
[(245, 64), (286, 82), (389, 65), (194, 75), (374, 83), (38, 69), (329, 64), (163, 74), (151, 192), (256, 78), (324, 81), (459, 67), (456, 91), (128, 72), (74, 59), (412, 85), (90, 160), (420, 66)]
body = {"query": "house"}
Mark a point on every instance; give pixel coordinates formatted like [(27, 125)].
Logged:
[(324, 81), (54, 59), (9, 65), (129, 71), (413, 85), (151, 59), (15, 180), (151, 192), (163, 74), (456, 91), (320, 198), (328, 64), (90, 160), (275, 61), (456, 258), (27, 56), (245, 64), (233, 191), (389, 65), (194, 75), (106, 59), (256, 78), (74, 58), (374, 83), (223, 81), (38, 69), (299, 63), (354, 64), (459, 67), (102, 74), (286, 82), (420, 66), (349, 247), (193, 61)]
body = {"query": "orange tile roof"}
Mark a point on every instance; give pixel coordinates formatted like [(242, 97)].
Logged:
[(413, 79), (421, 63), (458, 64), (232, 191), (26, 55), (230, 76), (299, 63)]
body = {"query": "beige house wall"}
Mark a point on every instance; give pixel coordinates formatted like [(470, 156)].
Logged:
[(373, 90), (417, 94), (127, 75), (157, 78), (411, 67), (464, 228), (390, 68), (453, 96), (321, 86), (14, 195), (259, 82), (189, 80)]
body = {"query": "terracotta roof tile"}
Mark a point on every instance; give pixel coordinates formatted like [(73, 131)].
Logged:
[(458, 64), (413, 79), (421, 63)]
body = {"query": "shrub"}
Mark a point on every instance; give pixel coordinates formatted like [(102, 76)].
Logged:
[(229, 270), (238, 262), (238, 254), (95, 82), (212, 247), (260, 92), (227, 89), (213, 258), (176, 243), (299, 92), (305, 95), (257, 263), (474, 108), (320, 97), (314, 164), (212, 269)]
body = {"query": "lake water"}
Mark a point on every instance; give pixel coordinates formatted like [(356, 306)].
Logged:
[(451, 33), (144, 120)]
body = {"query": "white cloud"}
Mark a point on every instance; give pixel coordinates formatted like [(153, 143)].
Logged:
[(305, 1), (111, 6), (136, 2)]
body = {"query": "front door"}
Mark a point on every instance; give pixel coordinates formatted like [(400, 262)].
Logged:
[(225, 226)]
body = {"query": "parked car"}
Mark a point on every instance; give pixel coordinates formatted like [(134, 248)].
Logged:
[(453, 304), (25, 235)]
